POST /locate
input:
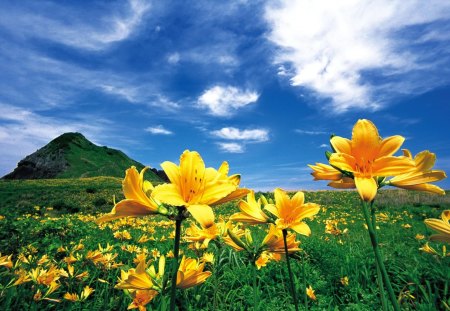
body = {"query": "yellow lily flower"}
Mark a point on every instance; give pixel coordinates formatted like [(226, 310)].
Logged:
[(325, 172), (419, 178), (204, 235), (138, 201), (310, 293), (190, 273), (274, 241), (291, 211), (251, 211), (141, 298), (136, 278), (441, 226), (196, 187), (6, 261), (368, 156)]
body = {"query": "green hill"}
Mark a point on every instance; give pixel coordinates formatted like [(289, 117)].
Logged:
[(71, 155)]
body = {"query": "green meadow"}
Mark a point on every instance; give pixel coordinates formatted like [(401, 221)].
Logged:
[(48, 225)]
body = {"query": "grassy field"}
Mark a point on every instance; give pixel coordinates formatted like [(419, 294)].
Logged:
[(49, 224)]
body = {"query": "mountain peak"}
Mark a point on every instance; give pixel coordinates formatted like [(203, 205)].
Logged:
[(72, 155)]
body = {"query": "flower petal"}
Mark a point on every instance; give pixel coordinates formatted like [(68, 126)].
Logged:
[(390, 145), (172, 171), (203, 214), (302, 228), (367, 188), (365, 140), (272, 209), (341, 144), (343, 161), (392, 166), (298, 199), (130, 208), (169, 194), (425, 160)]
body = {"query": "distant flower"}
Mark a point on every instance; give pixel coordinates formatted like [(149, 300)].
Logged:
[(87, 291), (422, 175), (251, 211), (310, 293), (406, 226), (344, 281), (190, 273), (428, 249), (138, 200), (262, 260), (196, 187), (291, 212), (419, 236), (368, 156), (6, 261), (441, 226), (208, 257)]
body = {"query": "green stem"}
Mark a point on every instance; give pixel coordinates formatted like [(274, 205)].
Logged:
[(255, 289), (304, 282), (291, 278), (176, 250), (379, 276), (378, 257)]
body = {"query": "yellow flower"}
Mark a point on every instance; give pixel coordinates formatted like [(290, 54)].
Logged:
[(251, 211), (197, 187), (87, 291), (204, 235), (141, 298), (419, 236), (291, 211), (441, 226), (138, 200), (325, 172), (310, 293), (208, 257), (190, 273), (428, 249), (419, 178), (367, 156), (274, 241), (262, 260), (6, 261), (344, 281), (136, 278)]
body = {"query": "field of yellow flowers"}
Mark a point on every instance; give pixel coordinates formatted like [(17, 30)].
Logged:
[(201, 242), (54, 255)]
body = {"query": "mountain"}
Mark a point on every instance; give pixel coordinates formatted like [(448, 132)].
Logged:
[(71, 155)]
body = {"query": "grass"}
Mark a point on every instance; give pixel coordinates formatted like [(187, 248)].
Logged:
[(53, 217)]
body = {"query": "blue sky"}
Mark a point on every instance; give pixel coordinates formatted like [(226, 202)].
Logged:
[(260, 84)]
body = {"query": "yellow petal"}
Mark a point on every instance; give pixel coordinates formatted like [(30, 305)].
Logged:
[(169, 194), (344, 183), (172, 171), (273, 209), (192, 170), (302, 228), (224, 168), (298, 199), (367, 188), (343, 161), (390, 145), (128, 208), (392, 166), (365, 140), (415, 178), (203, 214), (438, 225), (236, 194), (341, 144), (424, 160), (132, 186), (407, 153)]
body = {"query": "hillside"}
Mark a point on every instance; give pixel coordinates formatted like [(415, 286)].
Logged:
[(71, 155)]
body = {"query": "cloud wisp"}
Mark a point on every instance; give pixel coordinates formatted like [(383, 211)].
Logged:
[(158, 130), (355, 53), (240, 138), (94, 29), (224, 101)]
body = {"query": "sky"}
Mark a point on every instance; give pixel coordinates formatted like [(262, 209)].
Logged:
[(260, 84)]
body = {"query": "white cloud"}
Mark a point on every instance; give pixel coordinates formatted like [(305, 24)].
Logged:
[(232, 133), (158, 130), (173, 58), (93, 29), (224, 101), (306, 132), (329, 47), (324, 146), (231, 147)]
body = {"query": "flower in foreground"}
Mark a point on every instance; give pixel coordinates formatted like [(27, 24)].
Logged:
[(442, 226), (138, 199), (422, 175), (274, 242), (327, 172), (291, 212), (141, 298), (196, 187), (368, 156), (251, 211)]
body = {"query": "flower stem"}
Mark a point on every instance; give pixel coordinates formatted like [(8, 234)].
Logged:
[(304, 282), (379, 276), (176, 250), (378, 258), (255, 289), (291, 278)]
